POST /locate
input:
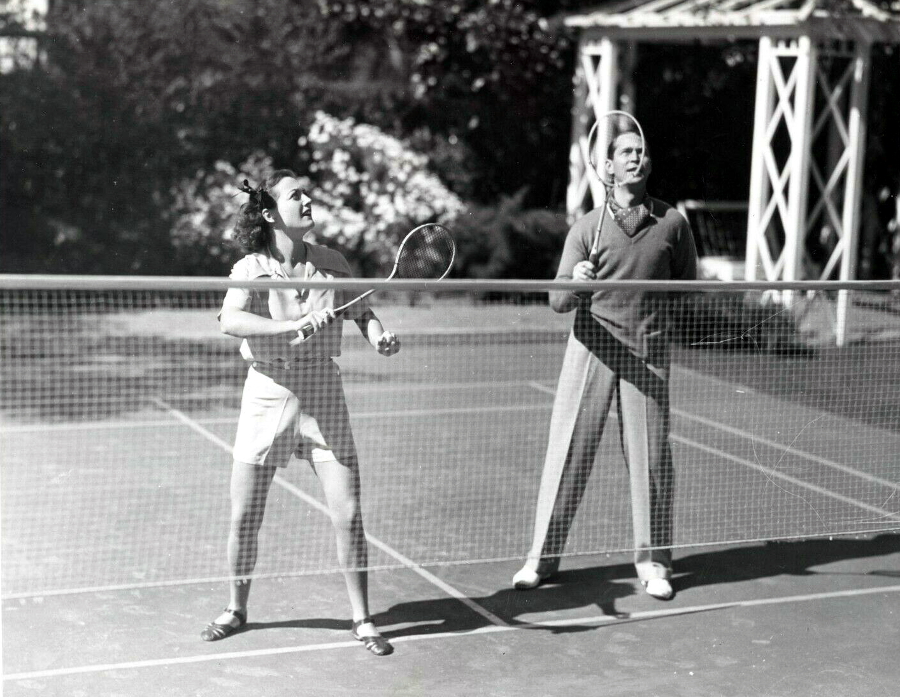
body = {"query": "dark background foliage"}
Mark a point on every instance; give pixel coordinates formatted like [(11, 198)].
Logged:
[(130, 96)]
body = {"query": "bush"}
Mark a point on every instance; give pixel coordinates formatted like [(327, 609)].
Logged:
[(368, 189), (507, 241)]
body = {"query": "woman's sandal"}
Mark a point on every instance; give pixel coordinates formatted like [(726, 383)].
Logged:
[(214, 632), (375, 644)]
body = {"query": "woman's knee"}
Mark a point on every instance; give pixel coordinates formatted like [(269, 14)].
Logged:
[(247, 517), (249, 491), (345, 514)]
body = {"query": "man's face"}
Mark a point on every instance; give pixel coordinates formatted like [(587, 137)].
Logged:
[(294, 206), (628, 164)]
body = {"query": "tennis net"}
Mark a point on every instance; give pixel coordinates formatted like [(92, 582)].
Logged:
[(120, 399)]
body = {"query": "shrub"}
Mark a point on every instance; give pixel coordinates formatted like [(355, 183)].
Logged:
[(507, 241), (368, 189)]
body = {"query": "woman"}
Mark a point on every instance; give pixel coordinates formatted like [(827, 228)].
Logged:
[(293, 400)]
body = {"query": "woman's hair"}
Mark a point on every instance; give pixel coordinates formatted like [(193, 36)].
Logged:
[(252, 232)]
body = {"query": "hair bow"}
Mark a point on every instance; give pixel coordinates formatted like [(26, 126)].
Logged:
[(258, 195)]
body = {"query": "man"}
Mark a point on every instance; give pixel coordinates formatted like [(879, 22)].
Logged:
[(618, 346)]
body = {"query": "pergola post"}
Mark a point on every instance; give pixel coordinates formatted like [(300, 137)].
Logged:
[(800, 128), (779, 186), (597, 80), (760, 184), (854, 181), (784, 208)]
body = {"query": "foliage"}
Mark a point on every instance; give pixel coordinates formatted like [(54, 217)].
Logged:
[(368, 190), (134, 96), (494, 77), (372, 188), (133, 99), (508, 241), (204, 210)]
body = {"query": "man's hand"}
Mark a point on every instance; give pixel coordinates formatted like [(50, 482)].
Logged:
[(584, 271)]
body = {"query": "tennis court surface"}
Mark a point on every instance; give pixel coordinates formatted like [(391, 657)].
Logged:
[(117, 418)]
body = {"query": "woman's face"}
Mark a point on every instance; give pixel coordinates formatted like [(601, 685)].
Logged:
[(294, 206)]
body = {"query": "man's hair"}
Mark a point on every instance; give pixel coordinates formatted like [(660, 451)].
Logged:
[(252, 232), (611, 148)]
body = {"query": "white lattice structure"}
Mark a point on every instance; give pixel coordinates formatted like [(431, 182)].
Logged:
[(18, 43), (809, 124)]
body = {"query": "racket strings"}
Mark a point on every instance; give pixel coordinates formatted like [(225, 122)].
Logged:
[(427, 253), (604, 132)]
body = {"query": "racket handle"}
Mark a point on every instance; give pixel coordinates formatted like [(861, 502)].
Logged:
[(306, 331), (594, 257)]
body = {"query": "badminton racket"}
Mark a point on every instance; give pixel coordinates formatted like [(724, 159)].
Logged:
[(426, 253), (601, 139)]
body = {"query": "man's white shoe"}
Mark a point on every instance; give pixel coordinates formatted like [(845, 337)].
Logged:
[(659, 588), (526, 579)]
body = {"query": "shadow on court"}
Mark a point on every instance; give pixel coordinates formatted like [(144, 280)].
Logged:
[(799, 558), (597, 590), (568, 591)]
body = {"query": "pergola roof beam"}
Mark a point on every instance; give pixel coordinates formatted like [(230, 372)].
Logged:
[(859, 20)]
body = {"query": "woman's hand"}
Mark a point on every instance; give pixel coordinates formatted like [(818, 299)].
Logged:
[(309, 324), (388, 344)]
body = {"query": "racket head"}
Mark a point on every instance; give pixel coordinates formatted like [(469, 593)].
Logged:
[(426, 253), (601, 140), (606, 129)]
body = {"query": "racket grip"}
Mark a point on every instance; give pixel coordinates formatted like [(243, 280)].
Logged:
[(594, 257), (306, 331)]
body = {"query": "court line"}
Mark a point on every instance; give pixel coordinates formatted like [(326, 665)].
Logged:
[(882, 514), (154, 423), (141, 585), (749, 390), (197, 427), (404, 560), (384, 547), (599, 620), (789, 449), (492, 409), (762, 440), (404, 387), (747, 463)]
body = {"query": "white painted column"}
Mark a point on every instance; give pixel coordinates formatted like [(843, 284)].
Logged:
[(759, 179), (598, 67), (854, 181), (801, 136)]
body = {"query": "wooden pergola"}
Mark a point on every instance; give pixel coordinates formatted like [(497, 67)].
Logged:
[(809, 123)]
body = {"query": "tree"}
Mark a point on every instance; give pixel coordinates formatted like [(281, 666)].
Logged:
[(134, 96), (488, 83)]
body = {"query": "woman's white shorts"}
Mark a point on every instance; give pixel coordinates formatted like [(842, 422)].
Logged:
[(300, 411)]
